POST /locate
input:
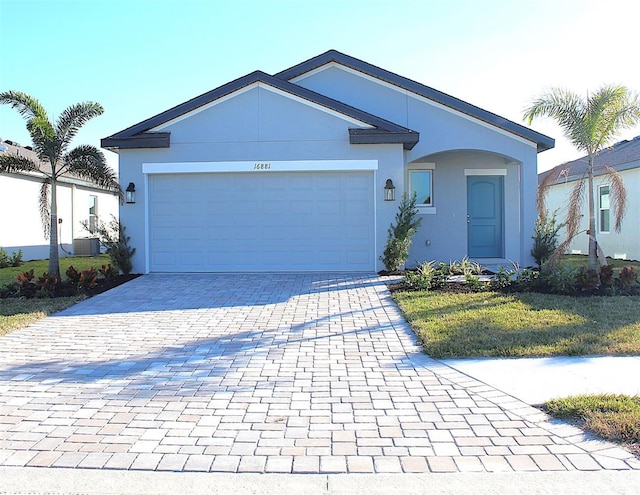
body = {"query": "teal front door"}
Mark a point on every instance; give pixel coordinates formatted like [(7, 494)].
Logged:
[(485, 216)]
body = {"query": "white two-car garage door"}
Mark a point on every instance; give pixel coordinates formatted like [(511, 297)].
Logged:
[(279, 221)]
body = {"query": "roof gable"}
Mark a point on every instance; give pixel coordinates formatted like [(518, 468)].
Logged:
[(371, 129), (335, 57)]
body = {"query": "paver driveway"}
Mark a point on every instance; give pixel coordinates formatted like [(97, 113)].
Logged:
[(261, 373)]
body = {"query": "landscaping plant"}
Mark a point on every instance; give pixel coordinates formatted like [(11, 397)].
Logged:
[(401, 234), (545, 237), (14, 260), (113, 238)]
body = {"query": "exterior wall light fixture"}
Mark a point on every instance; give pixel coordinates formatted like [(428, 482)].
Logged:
[(130, 193), (389, 191)]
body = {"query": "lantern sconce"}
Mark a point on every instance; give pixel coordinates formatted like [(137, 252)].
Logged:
[(130, 193), (389, 191)]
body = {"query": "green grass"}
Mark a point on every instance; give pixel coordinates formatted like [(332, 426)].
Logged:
[(18, 313), (9, 274), (492, 324), (612, 417), (579, 260)]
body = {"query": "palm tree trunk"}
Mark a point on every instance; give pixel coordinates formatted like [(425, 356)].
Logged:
[(593, 256), (54, 259)]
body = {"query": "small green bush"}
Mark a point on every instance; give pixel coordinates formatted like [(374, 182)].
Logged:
[(504, 278), (113, 238), (401, 234), (561, 278), (545, 238), (14, 260), (465, 267), (422, 278)]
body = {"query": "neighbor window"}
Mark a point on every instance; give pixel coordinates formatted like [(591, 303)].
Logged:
[(603, 206), (93, 213), (421, 183)]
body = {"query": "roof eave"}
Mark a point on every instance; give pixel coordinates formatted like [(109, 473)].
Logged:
[(144, 140), (377, 136)]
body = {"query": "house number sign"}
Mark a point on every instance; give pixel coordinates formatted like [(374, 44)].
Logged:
[(261, 166)]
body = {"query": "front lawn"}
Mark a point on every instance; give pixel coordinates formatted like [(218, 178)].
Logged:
[(9, 274), (526, 324), (579, 260)]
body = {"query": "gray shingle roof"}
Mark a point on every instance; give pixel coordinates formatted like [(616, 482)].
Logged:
[(623, 155)]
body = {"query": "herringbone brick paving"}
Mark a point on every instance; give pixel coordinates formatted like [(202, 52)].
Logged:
[(276, 373)]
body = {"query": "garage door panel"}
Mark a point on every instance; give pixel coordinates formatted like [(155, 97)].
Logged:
[(306, 221)]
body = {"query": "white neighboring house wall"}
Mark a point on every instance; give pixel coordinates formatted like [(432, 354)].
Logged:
[(622, 245), (20, 222)]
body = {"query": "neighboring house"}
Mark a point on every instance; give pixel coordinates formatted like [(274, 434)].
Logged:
[(624, 157), (287, 172), (21, 224)]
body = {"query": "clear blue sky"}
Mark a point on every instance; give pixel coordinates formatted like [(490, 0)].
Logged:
[(140, 57)]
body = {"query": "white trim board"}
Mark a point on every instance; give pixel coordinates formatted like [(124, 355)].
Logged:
[(259, 166)]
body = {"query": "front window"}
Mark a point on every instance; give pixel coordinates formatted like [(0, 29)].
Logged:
[(421, 185), (603, 205)]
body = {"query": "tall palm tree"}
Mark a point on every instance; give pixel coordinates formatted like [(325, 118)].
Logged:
[(590, 124), (51, 145)]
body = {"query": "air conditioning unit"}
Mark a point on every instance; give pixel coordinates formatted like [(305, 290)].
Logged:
[(86, 247)]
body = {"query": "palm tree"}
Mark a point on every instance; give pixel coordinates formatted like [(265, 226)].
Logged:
[(590, 124), (51, 145)]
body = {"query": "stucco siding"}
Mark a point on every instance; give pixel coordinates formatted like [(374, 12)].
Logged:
[(22, 227), (258, 115), (446, 230), (624, 244), (288, 130)]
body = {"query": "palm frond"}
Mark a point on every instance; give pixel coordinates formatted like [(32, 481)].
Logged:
[(26, 105), (73, 118), (45, 207), (574, 207), (16, 163), (618, 193), (565, 107), (88, 162)]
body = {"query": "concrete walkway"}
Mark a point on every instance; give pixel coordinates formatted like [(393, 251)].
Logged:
[(537, 380), (262, 373)]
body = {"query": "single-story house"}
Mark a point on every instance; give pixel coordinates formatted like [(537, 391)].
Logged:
[(78, 201), (304, 170), (624, 157)]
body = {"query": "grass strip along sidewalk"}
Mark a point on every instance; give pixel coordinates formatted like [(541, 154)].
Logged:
[(525, 324)]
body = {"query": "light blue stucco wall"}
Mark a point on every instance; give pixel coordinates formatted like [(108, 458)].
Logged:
[(464, 142), (257, 125)]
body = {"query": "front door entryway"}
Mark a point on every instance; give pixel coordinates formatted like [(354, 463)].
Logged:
[(485, 216)]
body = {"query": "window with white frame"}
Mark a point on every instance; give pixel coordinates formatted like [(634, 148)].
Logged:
[(93, 214), (421, 183), (603, 207)]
